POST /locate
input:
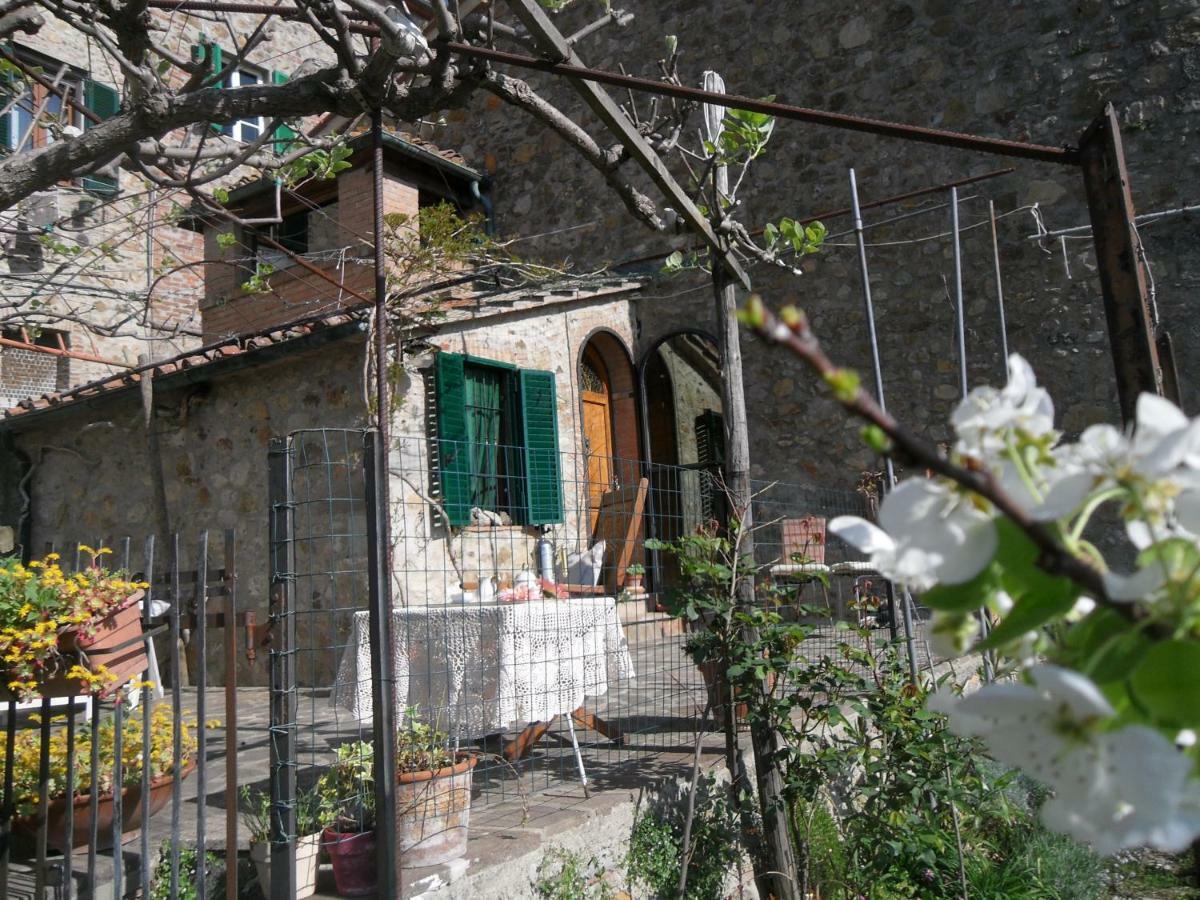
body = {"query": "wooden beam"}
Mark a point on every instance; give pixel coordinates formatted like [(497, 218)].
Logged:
[(552, 43), (1131, 327)]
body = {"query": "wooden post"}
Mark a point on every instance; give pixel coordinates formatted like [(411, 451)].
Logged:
[(1131, 325)]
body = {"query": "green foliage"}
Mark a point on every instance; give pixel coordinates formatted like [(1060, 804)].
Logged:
[(744, 136), (214, 875), (845, 384), (318, 165), (563, 875), (656, 848), (880, 792), (420, 747), (346, 792), (790, 234), (256, 813)]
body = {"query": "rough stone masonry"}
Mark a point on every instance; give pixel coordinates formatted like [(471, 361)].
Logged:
[(1034, 71)]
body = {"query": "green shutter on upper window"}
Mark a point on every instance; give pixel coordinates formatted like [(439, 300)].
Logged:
[(539, 426), (454, 446), (105, 101), (102, 99), (285, 135)]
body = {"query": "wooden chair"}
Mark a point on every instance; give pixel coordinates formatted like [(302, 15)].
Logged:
[(618, 525)]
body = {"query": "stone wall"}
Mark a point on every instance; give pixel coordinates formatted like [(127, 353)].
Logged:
[(1028, 71)]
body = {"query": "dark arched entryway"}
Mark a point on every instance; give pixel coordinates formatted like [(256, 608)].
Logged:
[(684, 436)]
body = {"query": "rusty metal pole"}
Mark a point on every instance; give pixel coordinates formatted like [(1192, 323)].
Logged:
[(1131, 325)]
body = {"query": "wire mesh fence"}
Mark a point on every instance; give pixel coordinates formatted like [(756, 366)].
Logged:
[(529, 620), (532, 634)]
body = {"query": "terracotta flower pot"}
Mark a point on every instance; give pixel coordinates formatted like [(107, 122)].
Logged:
[(116, 644), (81, 814), (353, 858), (433, 811), (308, 853)]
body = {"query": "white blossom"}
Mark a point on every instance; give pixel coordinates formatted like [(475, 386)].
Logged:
[(1161, 457), (987, 417), (927, 534), (1114, 789)]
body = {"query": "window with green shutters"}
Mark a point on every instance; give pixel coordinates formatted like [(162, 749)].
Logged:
[(497, 440), (105, 102)]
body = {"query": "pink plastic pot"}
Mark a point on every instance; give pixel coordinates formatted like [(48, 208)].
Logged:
[(353, 858)]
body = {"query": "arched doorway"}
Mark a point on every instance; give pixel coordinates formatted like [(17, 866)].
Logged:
[(608, 418), (684, 434)]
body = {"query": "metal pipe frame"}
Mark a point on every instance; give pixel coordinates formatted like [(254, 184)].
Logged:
[(877, 371)]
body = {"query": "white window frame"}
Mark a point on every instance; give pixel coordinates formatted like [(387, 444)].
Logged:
[(238, 130)]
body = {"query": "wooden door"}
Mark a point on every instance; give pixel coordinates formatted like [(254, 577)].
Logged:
[(596, 398)]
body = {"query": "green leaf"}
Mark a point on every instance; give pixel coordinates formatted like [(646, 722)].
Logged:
[(965, 597), (1167, 682), (1032, 611)]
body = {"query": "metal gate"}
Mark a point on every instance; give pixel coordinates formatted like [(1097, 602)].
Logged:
[(328, 557)]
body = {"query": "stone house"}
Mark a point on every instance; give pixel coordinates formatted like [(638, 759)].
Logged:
[(525, 402), (1037, 72), (92, 269)]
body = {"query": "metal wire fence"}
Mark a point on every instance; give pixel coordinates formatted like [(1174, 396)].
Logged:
[(534, 634), (101, 782)]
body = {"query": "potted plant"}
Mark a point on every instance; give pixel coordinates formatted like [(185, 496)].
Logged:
[(346, 805), (635, 576), (65, 635), (433, 794), (256, 815), (163, 772)]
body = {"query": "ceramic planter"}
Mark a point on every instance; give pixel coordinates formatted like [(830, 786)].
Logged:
[(353, 859), (131, 815), (308, 852), (433, 811)]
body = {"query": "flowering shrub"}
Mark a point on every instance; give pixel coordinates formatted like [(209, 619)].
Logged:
[(1105, 663), (27, 746), (39, 603)]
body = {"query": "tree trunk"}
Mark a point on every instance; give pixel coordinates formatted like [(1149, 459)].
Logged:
[(778, 874)]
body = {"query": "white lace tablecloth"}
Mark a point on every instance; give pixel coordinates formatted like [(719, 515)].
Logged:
[(477, 669)]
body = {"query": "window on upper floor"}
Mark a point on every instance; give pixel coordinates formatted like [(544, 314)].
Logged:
[(244, 75), (497, 429), (291, 232), (34, 113), (244, 130)]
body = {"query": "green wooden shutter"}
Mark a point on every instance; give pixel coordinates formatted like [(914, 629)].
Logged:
[(539, 427), (105, 101), (454, 448), (6, 95), (204, 52), (284, 134), (102, 99)]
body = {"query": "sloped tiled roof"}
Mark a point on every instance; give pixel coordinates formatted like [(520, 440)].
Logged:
[(191, 359), (349, 321)]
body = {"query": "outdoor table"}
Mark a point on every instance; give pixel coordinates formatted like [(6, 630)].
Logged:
[(476, 669)]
